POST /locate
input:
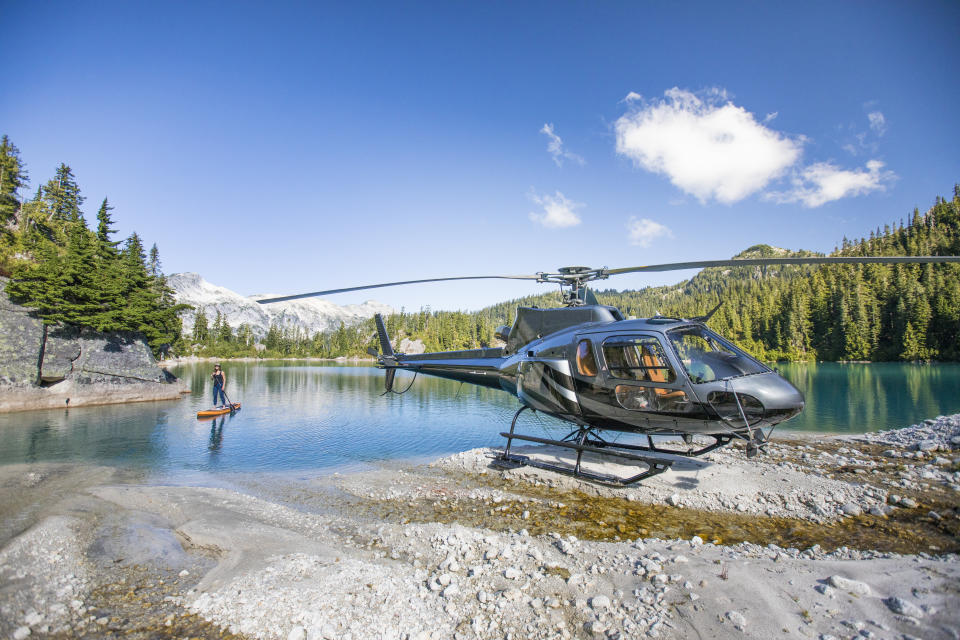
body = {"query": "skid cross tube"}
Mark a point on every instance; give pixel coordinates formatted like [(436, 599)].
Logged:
[(719, 441), (654, 465)]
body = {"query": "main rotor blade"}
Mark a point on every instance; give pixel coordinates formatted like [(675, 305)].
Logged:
[(388, 284), (749, 262)]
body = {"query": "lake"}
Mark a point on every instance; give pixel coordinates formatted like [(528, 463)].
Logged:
[(300, 416)]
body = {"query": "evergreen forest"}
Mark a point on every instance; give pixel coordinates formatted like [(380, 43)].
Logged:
[(777, 313), (75, 274), (70, 273)]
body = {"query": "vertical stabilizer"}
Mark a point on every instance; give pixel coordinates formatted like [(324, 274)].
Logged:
[(385, 346)]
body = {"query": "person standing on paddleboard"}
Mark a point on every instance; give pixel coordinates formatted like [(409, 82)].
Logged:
[(219, 384)]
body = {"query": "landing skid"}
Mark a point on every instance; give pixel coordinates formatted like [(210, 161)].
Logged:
[(580, 442), (719, 441)]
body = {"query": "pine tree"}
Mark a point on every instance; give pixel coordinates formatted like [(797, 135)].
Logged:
[(200, 330), (62, 195), (153, 262), (13, 176)]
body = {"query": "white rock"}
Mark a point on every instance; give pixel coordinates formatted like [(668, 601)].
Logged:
[(600, 602), (33, 619), (848, 585), (21, 633), (512, 573), (451, 591), (851, 509), (595, 627), (297, 633), (903, 607), (674, 500), (184, 573)]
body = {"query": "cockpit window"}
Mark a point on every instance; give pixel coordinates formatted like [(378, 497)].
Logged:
[(586, 363), (637, 358), (706, 356)]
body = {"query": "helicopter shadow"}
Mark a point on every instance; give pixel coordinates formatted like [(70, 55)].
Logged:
[(684, 472)]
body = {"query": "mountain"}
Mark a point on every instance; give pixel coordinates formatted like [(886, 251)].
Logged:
[(309, 314)]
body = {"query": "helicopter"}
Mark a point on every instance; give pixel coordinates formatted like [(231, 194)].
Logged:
[(585, 364)]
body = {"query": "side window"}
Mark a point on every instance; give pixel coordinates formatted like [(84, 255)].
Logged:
[(586, 362), (638, 358)]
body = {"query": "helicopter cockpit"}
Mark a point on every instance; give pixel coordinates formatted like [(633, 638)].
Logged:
[(707, 357)]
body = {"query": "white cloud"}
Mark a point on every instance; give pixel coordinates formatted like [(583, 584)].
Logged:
[(644, 231), (824, 182), (633, 96), (707, 147), (877, 122), (555, 147), (558, 211)]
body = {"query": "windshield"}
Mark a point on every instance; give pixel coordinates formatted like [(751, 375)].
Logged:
[(706, 356)]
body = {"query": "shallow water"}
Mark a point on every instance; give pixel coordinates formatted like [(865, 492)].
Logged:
[(298, 417)]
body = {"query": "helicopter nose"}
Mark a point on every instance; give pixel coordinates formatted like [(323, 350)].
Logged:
[(781, 400)]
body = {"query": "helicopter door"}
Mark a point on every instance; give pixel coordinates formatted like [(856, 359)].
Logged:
[(642, 376)]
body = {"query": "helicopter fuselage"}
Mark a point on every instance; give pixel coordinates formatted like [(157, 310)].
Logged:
[(650, 376)]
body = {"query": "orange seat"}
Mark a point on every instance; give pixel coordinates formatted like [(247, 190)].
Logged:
[(655, 371)]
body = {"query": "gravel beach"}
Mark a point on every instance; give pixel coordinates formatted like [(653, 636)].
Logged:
[(826, 537)]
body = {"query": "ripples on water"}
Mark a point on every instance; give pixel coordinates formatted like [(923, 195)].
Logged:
[(299, 417)]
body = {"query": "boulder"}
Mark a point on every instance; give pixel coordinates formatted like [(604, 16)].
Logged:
[(21, 341)]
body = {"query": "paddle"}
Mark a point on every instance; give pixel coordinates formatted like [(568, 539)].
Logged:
[(229, 401)]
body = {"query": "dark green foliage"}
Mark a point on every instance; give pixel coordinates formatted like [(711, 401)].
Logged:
[(12, 177), (73, 275)]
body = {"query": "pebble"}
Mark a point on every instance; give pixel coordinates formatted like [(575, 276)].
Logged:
[(736, 618), (512, 573), (21, 633), (674, 500), (909, 503), (600, 602), (184, 573)]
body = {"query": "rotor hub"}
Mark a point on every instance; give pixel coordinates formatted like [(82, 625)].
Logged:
[(575, 278)]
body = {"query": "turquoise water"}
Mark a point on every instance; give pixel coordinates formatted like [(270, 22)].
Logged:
[(307, 417)]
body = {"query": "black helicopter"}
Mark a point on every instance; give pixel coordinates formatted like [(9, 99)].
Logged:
[(585, 364)]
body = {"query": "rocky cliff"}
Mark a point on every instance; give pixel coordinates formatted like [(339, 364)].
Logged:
[(45, 367)]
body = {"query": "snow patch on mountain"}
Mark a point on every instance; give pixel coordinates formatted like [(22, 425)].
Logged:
[(309, 314)]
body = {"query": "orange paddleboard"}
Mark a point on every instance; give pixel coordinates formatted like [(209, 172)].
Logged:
[(218, 411)]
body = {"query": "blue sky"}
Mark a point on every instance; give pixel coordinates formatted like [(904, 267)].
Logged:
[(288, 147)]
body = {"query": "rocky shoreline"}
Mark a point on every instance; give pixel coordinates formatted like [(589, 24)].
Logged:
[(823, 538), (58, 366)]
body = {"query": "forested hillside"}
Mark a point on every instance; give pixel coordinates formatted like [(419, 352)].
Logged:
[(73, 274), (849, 312)]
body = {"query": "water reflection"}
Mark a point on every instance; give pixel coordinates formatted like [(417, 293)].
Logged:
[(853, 398), (306, 416)]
